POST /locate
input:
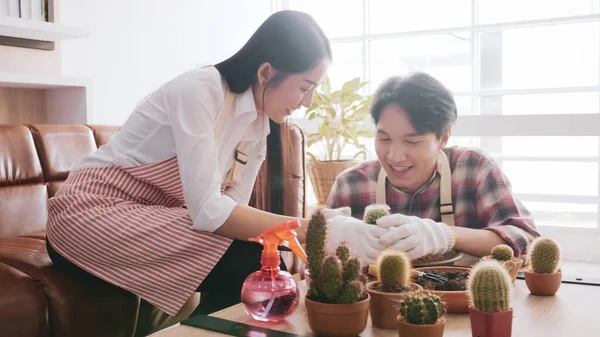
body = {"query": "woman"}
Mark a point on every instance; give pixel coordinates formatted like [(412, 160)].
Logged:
[(161, 210), (441, 196)]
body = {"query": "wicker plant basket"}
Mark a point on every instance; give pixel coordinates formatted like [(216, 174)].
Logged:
[(323, 173)]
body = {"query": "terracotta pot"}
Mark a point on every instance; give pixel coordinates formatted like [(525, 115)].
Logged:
[(414, 330), (543, 284), (457, 302), (337, 320), (491, 324), (384, 306), (512, 266)]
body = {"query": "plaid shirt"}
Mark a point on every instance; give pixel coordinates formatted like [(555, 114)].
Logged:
[(481, 196)]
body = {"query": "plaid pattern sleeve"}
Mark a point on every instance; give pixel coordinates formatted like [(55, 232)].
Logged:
[(501, 211), (355, 188)]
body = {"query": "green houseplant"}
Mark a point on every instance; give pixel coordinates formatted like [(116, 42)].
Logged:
[(342, 114)]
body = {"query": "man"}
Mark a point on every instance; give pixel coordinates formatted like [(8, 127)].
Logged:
[(440, 198)]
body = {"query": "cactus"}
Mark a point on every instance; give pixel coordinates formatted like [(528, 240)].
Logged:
[(343, 252), (502, 253), (422, 309), (544, 256), (335, 278), (489, 287), (393, 271), (352, 292), (374, 212)]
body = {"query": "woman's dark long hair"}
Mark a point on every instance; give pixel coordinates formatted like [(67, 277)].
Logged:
[(291, 41)]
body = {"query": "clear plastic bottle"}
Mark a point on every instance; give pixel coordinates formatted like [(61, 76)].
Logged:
[(271, 295)]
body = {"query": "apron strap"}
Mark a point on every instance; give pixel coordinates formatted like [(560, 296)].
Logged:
[(240, 158), (446, 207), (380, 192)]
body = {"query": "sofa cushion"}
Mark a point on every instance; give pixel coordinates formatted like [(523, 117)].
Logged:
[(102, 133), (23, 308), (60, 147), (19, 162), (77, 300)]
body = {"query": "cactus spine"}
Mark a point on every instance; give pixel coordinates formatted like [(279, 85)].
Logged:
[(502, 253), (374, 212), (422, 309), (544, 256), (489, 287), (393, 270), (336, 278)]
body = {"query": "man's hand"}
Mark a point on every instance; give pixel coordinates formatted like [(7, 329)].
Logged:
[(415, 236)]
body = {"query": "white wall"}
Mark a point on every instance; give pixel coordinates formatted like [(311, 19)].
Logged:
[(135, 45)]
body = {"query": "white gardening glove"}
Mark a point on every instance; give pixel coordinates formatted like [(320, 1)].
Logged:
[(415, 236), (332, 212), (362, 239)]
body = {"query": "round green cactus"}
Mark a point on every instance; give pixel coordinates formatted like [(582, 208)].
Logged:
[(422, 309), (544, 256), (374, 212), (489, 287), (502, 253), (393, 270), (343, 252)]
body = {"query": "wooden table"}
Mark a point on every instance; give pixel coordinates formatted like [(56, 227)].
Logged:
[(573, 311)]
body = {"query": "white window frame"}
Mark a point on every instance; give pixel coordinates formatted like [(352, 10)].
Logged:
[(577, 243)]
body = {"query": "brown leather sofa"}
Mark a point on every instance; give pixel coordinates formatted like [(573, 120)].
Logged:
[(36, 300)]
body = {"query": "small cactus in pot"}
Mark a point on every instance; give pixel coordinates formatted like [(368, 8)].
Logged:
[(393, 284), (502, 253), (421, 314), (335, 279), (544, 276), (489, 289), (505, 255)]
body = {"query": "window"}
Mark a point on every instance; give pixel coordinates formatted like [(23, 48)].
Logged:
[(526, 79)]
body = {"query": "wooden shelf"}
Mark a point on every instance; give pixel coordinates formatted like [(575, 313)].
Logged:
[(33, 81), (36, 34), (39, 30)]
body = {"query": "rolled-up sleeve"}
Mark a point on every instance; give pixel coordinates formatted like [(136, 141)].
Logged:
[(193, 105), (502, 212)]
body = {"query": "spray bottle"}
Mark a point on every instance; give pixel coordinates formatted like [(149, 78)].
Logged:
[(270, 294)]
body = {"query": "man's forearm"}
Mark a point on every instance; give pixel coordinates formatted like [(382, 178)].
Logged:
[(475, 242)]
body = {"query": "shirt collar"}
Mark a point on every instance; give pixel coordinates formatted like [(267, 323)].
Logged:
[(244, 104)]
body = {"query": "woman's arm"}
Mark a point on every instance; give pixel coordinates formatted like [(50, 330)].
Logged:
[(247, 222)]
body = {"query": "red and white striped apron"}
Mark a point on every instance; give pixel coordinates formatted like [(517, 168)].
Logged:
[(129, 226)]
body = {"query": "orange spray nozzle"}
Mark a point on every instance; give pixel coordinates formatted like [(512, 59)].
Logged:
[(273, 237)]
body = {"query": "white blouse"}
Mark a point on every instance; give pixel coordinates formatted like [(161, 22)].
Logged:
[(179, 119)]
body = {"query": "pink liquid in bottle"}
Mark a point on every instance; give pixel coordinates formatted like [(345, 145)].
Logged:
[(270, 295)]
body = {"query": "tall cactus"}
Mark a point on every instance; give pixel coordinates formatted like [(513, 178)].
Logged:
[(489, 287), (422, 309), (374, 212), (335, 278), (393, 270), (544, 256), (502, 253)]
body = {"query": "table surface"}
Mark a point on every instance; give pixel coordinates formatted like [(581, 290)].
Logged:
[(573, 311)]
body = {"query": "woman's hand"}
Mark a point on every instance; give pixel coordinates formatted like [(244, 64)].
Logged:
[(362, 239)]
